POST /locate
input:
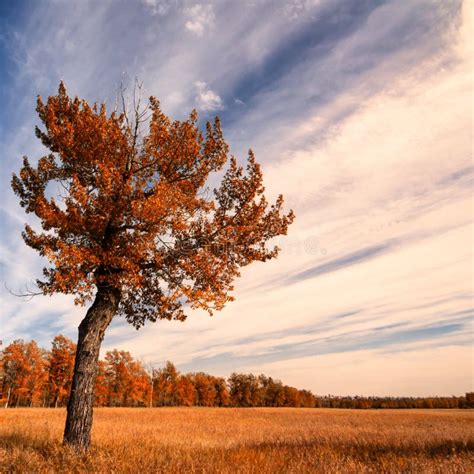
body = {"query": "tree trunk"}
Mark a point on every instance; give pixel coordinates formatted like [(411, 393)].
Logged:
[(78, 428), (8, 397), (151, 393)]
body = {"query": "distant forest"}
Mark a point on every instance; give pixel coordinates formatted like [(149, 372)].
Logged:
[(34, 377)]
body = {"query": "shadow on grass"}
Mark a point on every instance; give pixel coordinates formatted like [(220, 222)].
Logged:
[(25, 440), (44, 447), (365, 451)]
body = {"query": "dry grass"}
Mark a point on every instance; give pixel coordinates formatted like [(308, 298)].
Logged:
[(258, 440)]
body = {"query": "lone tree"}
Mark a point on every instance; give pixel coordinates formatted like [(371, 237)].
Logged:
[(133, 227)]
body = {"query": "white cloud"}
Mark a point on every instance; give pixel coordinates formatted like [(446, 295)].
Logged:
[(377, 156), (159, 7), (381, 173), (206, 98), (201, 18)]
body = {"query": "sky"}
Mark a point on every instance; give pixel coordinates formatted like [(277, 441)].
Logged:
[(360, 112)]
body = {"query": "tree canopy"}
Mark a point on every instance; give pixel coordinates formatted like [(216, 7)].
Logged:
[(133, 212), (129, 222)]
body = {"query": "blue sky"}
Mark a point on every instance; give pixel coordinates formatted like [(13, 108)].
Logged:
[(361, 114)]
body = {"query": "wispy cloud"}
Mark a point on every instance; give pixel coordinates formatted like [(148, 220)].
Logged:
[(207, 99), (159, 7), (360, 112), (200, 18)]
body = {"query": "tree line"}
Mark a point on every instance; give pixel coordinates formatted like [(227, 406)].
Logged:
[(35, 377)]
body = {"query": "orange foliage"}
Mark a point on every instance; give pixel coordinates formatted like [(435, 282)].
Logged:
[(101, 390), (128, 383), (61, 367), (134, 213), (185, 392), (24, 374), (30, 376)]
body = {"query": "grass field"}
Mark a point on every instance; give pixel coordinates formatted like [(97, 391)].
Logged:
[(257, 440)]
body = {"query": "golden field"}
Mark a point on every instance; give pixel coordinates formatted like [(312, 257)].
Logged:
[(246, 440)]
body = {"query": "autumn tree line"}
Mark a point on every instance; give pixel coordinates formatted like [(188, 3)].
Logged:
[(35, 377)]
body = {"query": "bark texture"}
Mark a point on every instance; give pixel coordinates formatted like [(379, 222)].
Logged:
[(91, 333)]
